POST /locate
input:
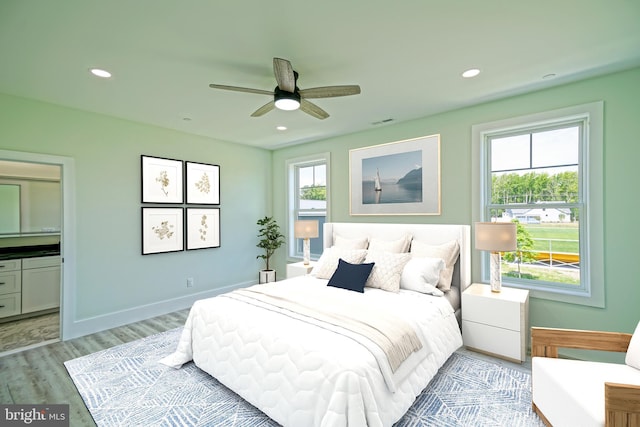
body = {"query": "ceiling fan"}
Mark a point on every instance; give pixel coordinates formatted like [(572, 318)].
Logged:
[(287, 95)]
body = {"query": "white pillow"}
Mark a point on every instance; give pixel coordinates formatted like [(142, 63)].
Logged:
[(448, 252), (328, 262), (422, 275), (387, 270), (344, 243), (633, 352), (395, 246)]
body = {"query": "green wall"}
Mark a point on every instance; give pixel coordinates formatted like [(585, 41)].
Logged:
[(620, 93), (114, 283)]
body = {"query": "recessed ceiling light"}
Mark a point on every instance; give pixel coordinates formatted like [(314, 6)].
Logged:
[(471, 73), (281, 127), (98, 72)]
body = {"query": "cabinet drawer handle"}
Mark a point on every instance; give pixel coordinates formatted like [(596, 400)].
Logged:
[(2, 283), (2, 306)]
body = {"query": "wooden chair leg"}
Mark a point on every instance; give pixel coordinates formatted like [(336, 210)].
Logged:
[(541, 415)]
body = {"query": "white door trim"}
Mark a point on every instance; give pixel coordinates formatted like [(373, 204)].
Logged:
[(67, 231)]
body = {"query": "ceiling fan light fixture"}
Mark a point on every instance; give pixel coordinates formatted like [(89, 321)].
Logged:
[(287, 101)]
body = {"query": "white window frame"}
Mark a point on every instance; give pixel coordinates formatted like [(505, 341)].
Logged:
[(292, 194), (591, 291)]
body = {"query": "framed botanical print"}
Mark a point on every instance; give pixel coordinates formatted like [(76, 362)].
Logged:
[(161, 180), (162, 230), (203, 228), (203, 184)]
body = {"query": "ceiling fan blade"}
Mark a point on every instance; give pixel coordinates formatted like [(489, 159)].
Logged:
[(264, 109), (330, 91), (284, 75), (242, 89), (313, 110)]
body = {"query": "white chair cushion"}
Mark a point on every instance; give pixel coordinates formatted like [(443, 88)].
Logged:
[(633, 352), (571, 392)]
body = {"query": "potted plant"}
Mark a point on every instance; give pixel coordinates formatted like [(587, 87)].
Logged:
[(270, 240)]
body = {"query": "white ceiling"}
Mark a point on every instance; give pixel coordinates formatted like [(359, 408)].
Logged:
[(407, 56)]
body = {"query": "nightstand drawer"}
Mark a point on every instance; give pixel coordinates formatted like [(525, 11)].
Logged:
[(10, 282), (496, 312), (9, 304), (493, 340)]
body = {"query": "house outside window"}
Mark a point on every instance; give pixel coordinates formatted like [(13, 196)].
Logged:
[(540, 172), (308, 199)]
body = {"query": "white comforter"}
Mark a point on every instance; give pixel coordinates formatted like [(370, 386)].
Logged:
[(300, 374)]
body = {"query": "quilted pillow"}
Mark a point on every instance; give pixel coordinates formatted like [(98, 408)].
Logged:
[(633, 352), (328, 262), (387, 269), (396, 246), (344, 243), (448, 252), (422, 275), (350, 276)]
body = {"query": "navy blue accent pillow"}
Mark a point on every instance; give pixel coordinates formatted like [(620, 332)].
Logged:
[(350, 276)]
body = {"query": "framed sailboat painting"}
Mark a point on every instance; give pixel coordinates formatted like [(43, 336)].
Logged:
[(397, 178)]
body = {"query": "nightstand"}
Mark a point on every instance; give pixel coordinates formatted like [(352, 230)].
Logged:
[(299, 269), (496, 323)]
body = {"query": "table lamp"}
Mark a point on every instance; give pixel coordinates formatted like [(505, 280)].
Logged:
[(496, 237), (305, 230)]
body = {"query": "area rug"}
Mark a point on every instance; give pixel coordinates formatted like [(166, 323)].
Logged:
[(126, 386)]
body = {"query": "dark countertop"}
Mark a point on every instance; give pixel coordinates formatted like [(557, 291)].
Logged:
[(29, 252)]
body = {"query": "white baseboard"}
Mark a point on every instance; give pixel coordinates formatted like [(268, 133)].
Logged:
[(95, 324)]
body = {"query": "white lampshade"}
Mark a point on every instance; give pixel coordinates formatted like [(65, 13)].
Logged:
[(305, 229), (496, 236)]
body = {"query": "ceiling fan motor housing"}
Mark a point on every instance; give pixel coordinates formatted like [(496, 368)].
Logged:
[(286, 100)]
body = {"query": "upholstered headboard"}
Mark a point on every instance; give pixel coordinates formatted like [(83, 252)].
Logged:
[(435, 234)]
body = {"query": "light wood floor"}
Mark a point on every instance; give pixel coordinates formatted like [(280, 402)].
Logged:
[(29, 332), (38, 376)]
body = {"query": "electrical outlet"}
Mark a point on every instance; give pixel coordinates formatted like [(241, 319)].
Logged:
[(189, 282)]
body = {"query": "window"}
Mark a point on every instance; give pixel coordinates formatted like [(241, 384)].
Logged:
[(308, 199), (544, 172)]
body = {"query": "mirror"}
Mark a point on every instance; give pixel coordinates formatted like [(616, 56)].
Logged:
[(30, 198), (9, 208)]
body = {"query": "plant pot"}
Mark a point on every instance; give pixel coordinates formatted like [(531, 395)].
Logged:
[(267, 276)]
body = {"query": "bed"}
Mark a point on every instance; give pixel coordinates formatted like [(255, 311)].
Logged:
[(286, 348)]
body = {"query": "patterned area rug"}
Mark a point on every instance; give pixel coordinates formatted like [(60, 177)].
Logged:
[(126, 386)]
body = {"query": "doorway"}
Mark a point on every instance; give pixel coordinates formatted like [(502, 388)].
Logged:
[(66, 239)]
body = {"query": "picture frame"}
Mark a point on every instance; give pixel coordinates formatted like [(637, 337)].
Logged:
[(202, 183), (203, 228), (396, 178), (161, 179), (162, 230)]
